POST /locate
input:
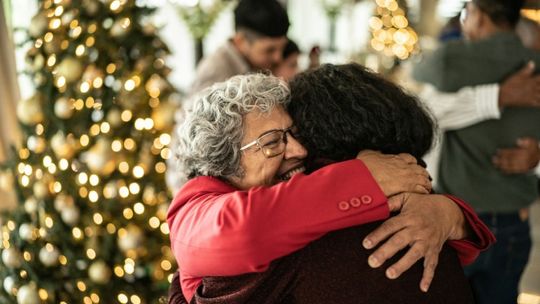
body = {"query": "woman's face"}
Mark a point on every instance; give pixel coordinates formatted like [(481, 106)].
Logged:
[(258, 169)]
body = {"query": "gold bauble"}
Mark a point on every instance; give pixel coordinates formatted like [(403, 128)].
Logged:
[(91, 73), (11, 257), (120, 28), (48, 255), (70, 215), (99, 272), (28, 294), (132, 239), (29, 110), (99, 158), (36, 144), (163, 117), (31, 205), (114, 118), (38, 25), (70, 68), (63, 108), (41, 190), (63, 147)]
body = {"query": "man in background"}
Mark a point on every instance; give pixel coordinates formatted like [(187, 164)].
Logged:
[(260, 37), (478, 162)]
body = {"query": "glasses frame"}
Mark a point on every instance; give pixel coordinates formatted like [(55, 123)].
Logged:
[(257, 141)]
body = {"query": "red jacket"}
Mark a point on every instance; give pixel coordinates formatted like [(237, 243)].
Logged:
[(217, 230)]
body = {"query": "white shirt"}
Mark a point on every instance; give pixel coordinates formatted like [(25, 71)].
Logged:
[(458, 110)]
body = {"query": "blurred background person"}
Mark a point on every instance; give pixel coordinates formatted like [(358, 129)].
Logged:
[(472, 165)]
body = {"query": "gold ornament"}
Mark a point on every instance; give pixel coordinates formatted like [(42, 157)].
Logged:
[(63, 147), (114, 118), (37, 63), (9, 284), (48, 255), (28, 294), (63, 107), (70, 215), (38, 25), (70, 68), (132, 239), (11, 257), (29, 110), (163, 117), (121, 27), (99, 158), (36, 144), (27, 232), (99, 272), (91, 73), (31, 205), (91, 6), (63, 201), (41, 190)]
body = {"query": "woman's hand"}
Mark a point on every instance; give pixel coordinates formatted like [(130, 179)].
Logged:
[(424, 223), (396, 173)]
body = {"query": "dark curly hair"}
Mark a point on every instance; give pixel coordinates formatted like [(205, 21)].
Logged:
[(342, 109)]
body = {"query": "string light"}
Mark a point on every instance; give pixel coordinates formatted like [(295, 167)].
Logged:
[(391, 34)]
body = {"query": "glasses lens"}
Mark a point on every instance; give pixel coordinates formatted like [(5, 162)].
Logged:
[(463, 16), (272, 144)]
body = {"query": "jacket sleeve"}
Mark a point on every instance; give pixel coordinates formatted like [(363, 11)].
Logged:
[(243, 231), (469, 249)]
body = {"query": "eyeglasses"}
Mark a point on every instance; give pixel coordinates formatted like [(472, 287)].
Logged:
[(273, 142), (463, 16)]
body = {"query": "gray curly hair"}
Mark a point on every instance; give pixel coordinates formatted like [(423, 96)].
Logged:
[(209, 138)]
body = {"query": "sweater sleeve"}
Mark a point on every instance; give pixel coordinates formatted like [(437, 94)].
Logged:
[(243, 231), (469, 249)]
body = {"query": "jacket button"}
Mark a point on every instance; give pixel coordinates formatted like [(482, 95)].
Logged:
[(344, 206), (366, 199), (355, 202)]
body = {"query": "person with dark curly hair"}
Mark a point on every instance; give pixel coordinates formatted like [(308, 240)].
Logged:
[(344, 109)]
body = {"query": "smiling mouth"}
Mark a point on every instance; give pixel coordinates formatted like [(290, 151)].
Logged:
[(287, 175)]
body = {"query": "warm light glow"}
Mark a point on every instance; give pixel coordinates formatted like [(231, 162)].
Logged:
[(138, 172), (79, 51), (119, 271), (134, 188), (94, 180), (85, 140), (128, 213), (105, 127), (129, 85), (122, 298), (98, 219), (91, 253), (164, 228), (154, 222), (81, 286), (93, 196), (129, 144), (83, 178), (49, 222), (166, 265), (135, 299), (77, 233), (139, 208), (43, 295)]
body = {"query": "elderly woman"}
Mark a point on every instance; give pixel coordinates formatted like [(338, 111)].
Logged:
[(248, 202)]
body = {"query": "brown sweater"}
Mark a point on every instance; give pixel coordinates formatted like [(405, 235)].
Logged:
[(334, 269)]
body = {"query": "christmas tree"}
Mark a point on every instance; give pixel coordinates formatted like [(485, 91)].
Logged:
[(91, 223)]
